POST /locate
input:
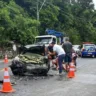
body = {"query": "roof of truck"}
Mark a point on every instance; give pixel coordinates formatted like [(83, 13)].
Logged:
[(46, 36)]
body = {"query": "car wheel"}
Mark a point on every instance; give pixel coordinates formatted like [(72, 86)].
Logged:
[(93, 56)]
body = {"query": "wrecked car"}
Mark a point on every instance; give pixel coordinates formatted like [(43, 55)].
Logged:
[(32, 60)]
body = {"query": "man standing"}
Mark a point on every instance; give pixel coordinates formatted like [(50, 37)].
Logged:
[(58, 50), (67, 46)]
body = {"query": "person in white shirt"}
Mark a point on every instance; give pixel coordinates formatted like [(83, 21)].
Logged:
[(59, 51)]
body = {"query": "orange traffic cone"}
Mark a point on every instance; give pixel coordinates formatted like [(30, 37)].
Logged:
[(71, 73), (6, 59), (6, 83)]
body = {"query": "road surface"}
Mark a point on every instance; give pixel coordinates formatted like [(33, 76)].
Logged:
[(84, 83)]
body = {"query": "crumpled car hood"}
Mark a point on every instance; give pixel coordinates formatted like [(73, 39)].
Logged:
[(32, 58)]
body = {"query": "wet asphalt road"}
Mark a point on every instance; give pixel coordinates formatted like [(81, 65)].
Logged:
[(84, 83)]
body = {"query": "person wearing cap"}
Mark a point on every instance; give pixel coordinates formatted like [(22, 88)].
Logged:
[(67, 46), (58, 50)]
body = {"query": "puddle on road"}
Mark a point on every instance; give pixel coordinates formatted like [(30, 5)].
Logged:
[(85, 78)]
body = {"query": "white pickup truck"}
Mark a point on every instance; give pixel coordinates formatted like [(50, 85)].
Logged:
[(45, 39)]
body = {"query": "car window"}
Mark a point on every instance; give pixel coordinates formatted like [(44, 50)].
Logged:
[(89, 47)]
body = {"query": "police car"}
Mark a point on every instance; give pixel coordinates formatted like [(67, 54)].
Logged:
[(88, 49)]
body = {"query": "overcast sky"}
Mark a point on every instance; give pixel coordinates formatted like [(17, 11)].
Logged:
[(94, 1)]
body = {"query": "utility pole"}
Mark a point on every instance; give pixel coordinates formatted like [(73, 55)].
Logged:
[(38, 9)]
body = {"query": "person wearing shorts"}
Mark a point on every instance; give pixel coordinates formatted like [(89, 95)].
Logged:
[(67, 46), (68, 58)]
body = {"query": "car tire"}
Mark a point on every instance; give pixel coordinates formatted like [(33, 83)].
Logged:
[(93, 56)]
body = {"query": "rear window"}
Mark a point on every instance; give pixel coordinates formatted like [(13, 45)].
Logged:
[(89, 47)]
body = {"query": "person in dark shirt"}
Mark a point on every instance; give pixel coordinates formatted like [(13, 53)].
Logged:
[(49, 49), (67, 46)]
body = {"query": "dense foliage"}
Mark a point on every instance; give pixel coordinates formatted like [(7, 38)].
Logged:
[(19, 19)]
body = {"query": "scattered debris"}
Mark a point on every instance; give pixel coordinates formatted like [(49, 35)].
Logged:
[(13, 83)]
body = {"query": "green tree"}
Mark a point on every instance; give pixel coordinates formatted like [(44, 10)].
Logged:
[(16, 24)]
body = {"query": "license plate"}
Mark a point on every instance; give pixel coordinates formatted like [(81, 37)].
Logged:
[(89, 53)]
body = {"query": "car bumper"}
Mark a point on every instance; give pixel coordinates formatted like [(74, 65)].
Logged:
[(88, 53)]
